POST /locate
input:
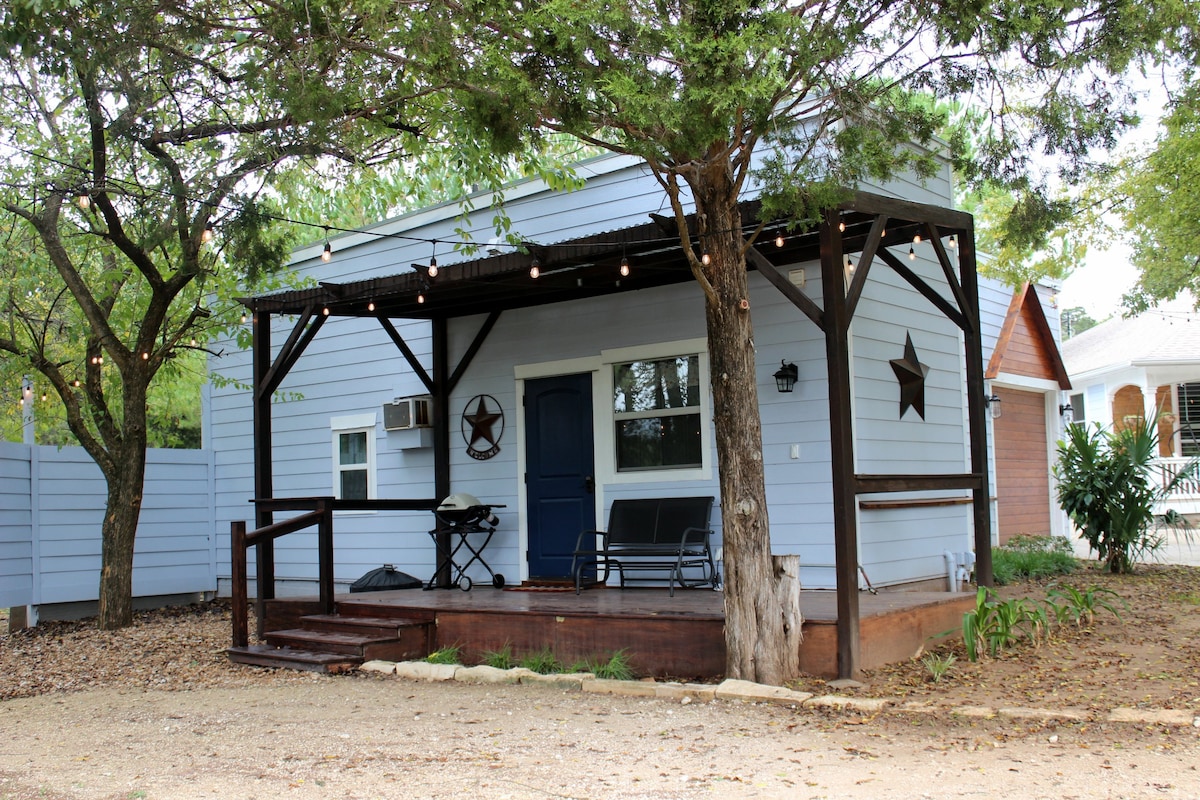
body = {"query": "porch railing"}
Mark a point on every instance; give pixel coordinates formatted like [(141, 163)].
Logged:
[(317, 511), (1185, 497)]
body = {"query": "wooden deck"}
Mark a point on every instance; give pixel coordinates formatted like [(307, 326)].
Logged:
[(678, 637)]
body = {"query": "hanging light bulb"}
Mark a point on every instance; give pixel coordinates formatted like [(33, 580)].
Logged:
[(953, 241), (705, 258), (433, 267), (779, 240), (421, 297), (912, 254), (45, 397), (193, 341), (842, 227), (327, 253), (84, 201), (917, 239), (325, 311), (76, 383), (371, 306), (145, 356), (207, 236), (624, 267), (535, 269), (243, 317)]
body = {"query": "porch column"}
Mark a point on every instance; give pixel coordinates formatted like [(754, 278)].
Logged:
[(264, 482), (976, 415), (845, 490)]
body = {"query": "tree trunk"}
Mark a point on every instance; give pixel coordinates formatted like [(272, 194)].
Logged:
[(757, 641), (125, 491)]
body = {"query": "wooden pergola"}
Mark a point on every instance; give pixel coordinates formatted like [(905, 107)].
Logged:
[(586, 267)]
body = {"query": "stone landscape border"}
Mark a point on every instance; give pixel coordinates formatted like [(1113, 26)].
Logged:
[(750, 692)]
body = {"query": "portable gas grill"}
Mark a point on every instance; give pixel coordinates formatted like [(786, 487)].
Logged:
[(464, 523)]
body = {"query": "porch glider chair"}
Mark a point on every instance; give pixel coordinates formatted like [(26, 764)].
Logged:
[(670, 534)]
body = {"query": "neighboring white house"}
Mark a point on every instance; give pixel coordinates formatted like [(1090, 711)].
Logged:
[(333, 435), (1127, 370)]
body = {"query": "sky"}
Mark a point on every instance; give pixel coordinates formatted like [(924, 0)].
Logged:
[(1099, 285)]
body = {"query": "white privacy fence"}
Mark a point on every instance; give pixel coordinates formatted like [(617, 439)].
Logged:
[(51, 507)]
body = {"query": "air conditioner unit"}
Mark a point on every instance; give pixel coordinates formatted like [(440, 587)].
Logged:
[(405, 413)]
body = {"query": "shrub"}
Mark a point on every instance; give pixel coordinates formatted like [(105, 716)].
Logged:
[(994, 625), (1026, 557), (541, 661), (1104, 485), (616, 667)]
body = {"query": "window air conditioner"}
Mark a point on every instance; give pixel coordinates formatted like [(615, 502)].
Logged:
[(405, 413)]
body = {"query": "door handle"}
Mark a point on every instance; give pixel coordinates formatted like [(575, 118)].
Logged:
[(589, 484)]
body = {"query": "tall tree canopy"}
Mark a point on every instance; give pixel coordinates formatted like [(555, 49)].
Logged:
[(803, 99), (139, 140)]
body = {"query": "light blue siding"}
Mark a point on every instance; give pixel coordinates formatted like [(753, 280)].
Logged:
[(353, 368), (53, 506)]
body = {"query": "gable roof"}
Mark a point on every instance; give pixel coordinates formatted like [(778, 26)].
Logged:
[(1026, 345), (1158, 337)]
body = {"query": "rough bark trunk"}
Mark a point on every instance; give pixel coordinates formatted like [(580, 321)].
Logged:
[(758, 644), (125, 492)]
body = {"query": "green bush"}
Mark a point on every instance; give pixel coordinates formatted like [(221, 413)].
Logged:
[(447, 655), (500, 659), (1031, 557), (615, 667), (1105, 486), (542, 661)]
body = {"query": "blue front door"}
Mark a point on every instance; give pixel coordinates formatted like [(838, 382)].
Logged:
[(559, 478)]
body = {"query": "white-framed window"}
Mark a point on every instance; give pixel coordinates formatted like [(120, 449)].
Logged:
[(354, 456), (658, 413), (1188, 419)]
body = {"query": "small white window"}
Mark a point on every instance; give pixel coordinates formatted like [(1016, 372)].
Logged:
[(354, 457)]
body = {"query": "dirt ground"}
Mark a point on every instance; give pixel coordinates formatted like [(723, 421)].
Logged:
[(156, 711)]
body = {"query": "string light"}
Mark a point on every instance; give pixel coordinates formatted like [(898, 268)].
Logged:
[(705, 258), (917, 239), (535, 269), (45, 397), (624, 267), (371, 306), (421, 296), (76, 383), (779, 240), (433, 267), (325, 311), (84, 201), (145, 356), (842, 227), (243, 318), (953, 241), (327, 253), (912, 254), (207, 236)]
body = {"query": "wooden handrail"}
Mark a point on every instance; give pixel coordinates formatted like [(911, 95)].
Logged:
[(319, 512)]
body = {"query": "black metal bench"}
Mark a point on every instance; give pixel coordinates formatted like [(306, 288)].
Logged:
[(662, 534)]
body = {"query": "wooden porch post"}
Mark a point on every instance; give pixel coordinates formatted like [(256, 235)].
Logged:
[(441, 434), (263, 476), (976, 413), (845, 532)]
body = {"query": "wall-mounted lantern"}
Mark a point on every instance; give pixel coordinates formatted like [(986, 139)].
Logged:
[(786, 377), (992, 402), (1067, 412)]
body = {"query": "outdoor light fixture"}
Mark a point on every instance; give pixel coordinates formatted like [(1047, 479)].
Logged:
[(786, 377), (1067, 412), (993, 405), (624, 267)]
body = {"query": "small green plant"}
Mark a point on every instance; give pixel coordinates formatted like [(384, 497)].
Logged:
[(446, 655), (500, 659), (938, 665), (541, 661), (615, 667), (1081, 605), (994, 625), (1026, 556)]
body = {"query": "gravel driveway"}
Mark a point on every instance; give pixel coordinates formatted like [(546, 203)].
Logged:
[(370, 736)]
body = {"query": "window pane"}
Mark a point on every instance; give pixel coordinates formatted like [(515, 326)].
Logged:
[(1189, 419), (658, 442), (354, 484), (352, 448), (656, 385)]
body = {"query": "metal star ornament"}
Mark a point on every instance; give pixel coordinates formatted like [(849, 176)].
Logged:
[(483, 427), (911, 374)]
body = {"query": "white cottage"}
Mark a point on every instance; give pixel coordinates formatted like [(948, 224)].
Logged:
[(512, 376)]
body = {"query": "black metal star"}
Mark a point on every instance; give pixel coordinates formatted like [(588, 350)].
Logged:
[(911, 374), (482, 423)]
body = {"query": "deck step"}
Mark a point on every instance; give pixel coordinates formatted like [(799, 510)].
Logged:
[(262, 655), (396, 642), (347, 624)]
